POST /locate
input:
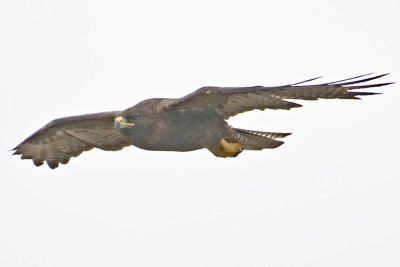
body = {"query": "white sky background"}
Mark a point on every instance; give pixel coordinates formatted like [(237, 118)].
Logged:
[(329, 197)]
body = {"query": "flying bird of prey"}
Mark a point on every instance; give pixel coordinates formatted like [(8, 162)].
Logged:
[(195, 121)]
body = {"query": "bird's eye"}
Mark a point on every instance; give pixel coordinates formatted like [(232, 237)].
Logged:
[(133, 117)]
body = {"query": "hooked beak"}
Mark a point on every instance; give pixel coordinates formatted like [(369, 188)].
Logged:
[(120, 123)]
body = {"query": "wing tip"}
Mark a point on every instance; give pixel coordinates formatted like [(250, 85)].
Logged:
[(309, 80), (349, 79), (52, 164), (38, 162), (355, 80)]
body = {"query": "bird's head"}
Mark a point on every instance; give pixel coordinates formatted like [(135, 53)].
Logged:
[(140, 115), (125, 121)]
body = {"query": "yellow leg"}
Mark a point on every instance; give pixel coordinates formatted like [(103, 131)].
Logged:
[(231, 147), (228, 149)]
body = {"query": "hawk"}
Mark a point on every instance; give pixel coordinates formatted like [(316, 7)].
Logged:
[(195, 121)]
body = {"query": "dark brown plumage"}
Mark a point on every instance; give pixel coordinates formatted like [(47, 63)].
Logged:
[(192, 122)]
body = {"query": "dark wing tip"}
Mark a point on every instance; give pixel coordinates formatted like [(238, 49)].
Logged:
[(297, 105), (367, 86), (383, 84), (309, 80), (15, 150), (354, 95), (38, 162), (52, 164), (355, 80), (348, 79)]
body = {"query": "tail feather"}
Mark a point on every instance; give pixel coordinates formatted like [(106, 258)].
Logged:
[(258, 140)]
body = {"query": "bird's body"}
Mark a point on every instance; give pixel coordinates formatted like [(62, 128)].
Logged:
[(181, 130), (195, 121), (158, 128)]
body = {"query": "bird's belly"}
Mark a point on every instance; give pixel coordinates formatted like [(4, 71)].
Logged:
[(170, 141), (182, 135)]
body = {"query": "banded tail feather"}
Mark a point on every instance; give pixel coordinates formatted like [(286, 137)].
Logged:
[(258, 140)]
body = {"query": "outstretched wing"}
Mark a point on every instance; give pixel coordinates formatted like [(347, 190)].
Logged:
[(68, 137), (229, 101)]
